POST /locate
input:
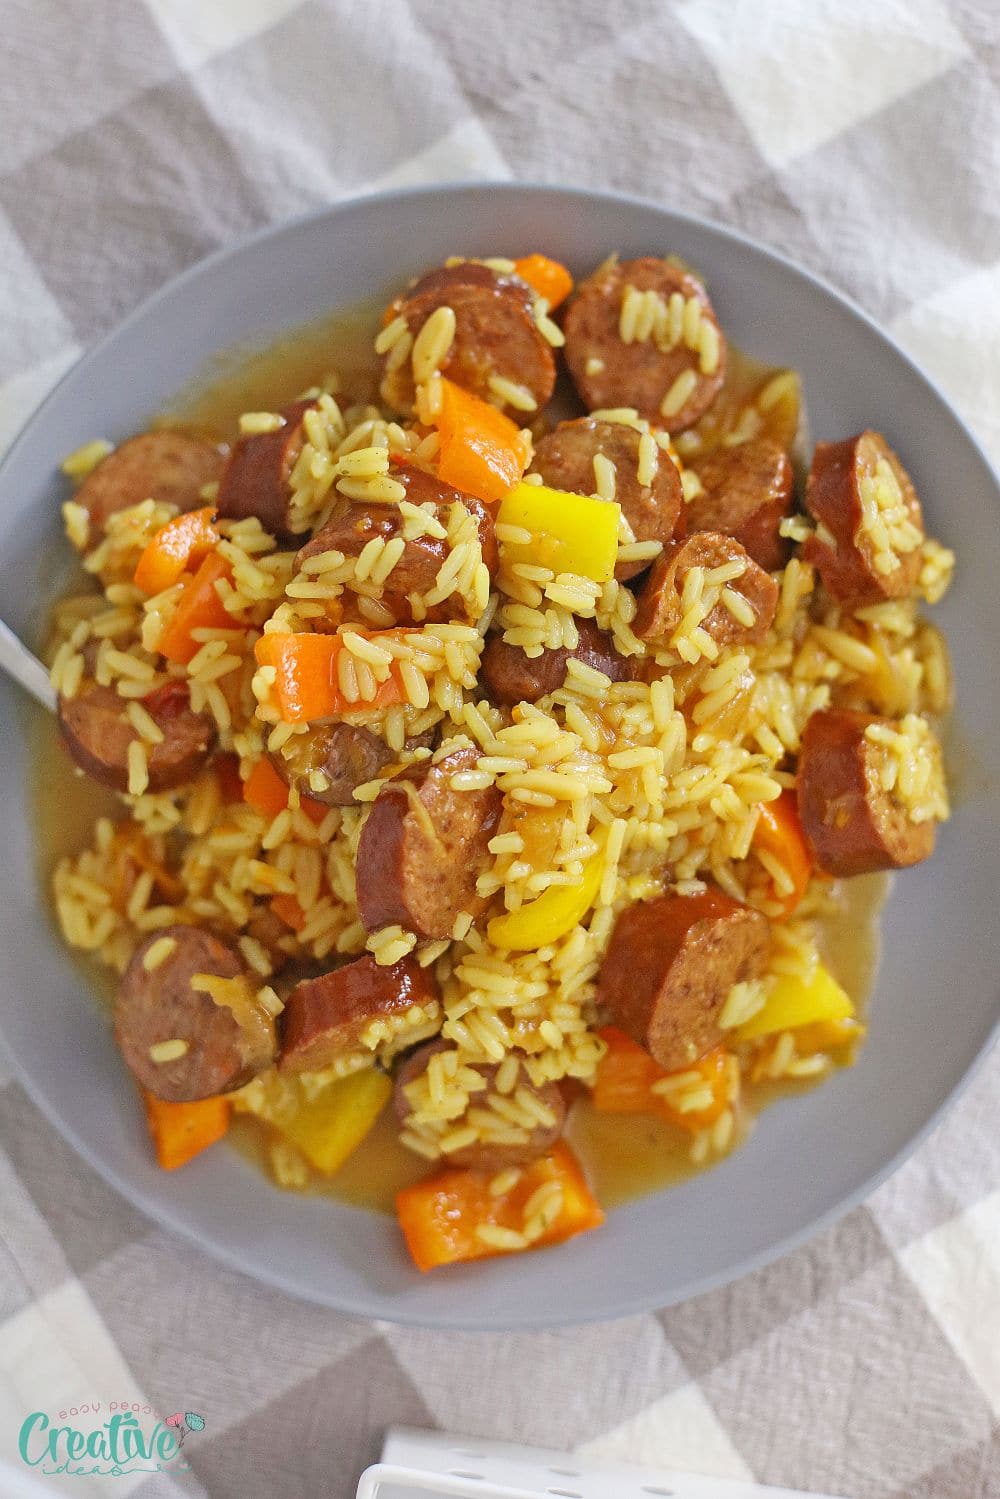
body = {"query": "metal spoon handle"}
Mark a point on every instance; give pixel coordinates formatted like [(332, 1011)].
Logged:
[(18, 662)]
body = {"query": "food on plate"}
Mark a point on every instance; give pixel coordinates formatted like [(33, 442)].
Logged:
[(643, 334), (169, 467), (671, 966), (869, 536), (746, 492), (484, 765), (621, 463), (870, 791), (187, 1021)]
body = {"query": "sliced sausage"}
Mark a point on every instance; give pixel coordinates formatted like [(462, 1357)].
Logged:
[(98, 734), (748, 492), (495, 334), (565, 460), (852, 825), (482, 1155), (511, 676), (257, 478), (226, 1045), (354, 523), (345, 755), (645, 373), (670, 966), (169, 467), (324, 1017), (423, 847), (660, 608), (870, 530)]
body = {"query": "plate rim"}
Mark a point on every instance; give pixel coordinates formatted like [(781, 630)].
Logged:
[(372, 1305)]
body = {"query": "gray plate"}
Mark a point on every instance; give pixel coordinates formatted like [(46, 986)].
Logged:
[(935, 1006)]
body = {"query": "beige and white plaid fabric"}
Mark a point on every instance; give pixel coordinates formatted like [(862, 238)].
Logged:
[(861, 137)]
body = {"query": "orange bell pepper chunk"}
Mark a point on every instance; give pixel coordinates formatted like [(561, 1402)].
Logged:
[(625, 1076), (549, 278), (199, 608), (779, 832), (265, 790), (288, 910), (626, 1073), (482, 452), (439, 1217), (713, 1067), (181, 543), (181, 1131), (306, 686)]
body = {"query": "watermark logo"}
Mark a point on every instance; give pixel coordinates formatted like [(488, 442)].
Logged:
[(112, 1441), (183, 1422)]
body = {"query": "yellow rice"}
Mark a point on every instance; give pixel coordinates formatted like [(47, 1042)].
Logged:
[(652, 775)]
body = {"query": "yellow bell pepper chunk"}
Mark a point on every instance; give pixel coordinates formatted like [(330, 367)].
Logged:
[(331, 1126), (551, 916), (570, 533), (828, 1035), (792, 1003)]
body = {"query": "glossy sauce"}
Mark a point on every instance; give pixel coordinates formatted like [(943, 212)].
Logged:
[(265, 379), (625, 1155)]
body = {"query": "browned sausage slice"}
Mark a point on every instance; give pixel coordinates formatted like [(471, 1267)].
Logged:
[(345, 755), (495, 335), (670, 378), (655, 511), (225, 1045), (670, 966), (483, 1155), (257, 478), (423, 847), (748, 492), (852, 825), (660, 608), (169, 467), (98, 735), (512, 677), (325, 1017), (870, 530), (354, 523)]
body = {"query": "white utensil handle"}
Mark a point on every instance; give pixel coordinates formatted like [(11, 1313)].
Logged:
[(18, 662), (418, 1463)]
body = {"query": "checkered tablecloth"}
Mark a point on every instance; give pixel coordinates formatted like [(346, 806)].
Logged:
[(861, 137)]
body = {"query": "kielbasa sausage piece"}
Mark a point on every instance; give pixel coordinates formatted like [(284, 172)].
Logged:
[(511, 676), (257, 478), (869, 533), (655, 511), (423, 847), (345, 755), (669, 366), (98, 734), (496, 336), (747, 494), (169, 467), (324, 1017), (851, 823), (670, 966), (354, 523), (224, 1047), (745, 618)]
